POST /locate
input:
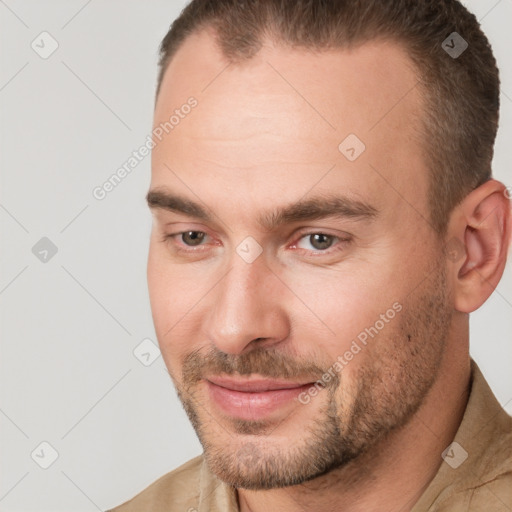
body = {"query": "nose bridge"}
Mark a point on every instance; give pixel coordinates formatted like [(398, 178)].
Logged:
[(246, 306)]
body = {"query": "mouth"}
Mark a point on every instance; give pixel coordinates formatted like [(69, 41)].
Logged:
[(253, 398)]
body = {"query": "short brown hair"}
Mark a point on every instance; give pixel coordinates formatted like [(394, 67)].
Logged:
[(461, 94)]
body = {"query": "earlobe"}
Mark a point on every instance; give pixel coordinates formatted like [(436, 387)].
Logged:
[(485, 226)]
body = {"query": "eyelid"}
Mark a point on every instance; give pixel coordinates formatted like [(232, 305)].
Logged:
[(319, 231)]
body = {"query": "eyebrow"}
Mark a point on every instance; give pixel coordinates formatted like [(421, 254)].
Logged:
[(315, 208)]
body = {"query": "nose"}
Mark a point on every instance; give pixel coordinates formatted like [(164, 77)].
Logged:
[(247, 308)]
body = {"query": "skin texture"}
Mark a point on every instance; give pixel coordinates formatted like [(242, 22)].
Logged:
[(264, 135)]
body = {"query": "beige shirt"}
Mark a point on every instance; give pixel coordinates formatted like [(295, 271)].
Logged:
[(482, 482)]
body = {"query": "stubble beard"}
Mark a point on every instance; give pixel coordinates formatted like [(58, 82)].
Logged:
[(400, 367)]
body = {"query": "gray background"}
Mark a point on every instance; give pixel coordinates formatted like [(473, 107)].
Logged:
[(70, 325)]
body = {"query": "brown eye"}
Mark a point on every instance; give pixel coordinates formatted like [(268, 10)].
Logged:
[(192, 238), (321, 241)]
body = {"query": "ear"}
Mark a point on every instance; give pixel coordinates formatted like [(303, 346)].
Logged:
[(478, 242)]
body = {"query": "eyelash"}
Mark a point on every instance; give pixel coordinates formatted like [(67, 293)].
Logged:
[(341, 241)]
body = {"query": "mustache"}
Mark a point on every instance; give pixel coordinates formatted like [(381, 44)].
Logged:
[(261, 361)]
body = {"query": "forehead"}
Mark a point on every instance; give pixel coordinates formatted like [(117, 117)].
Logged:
[(274, 124)]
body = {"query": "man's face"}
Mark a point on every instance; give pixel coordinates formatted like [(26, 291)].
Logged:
[(261, 297)]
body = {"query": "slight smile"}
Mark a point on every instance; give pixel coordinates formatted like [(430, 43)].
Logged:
[(252, 399)]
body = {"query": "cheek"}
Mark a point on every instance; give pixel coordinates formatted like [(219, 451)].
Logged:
[(342, 304), (170, 287)]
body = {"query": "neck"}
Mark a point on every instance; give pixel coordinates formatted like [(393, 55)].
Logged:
[(395, 473)]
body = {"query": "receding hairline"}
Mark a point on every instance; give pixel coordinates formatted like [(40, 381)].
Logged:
[(281, 45), (272, 38)]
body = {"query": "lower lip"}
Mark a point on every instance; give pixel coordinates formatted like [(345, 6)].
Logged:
[(252, 405)]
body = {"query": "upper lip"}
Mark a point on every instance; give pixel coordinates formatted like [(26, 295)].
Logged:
[(255, 384)]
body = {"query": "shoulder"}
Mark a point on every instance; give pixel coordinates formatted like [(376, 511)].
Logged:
[(179, 487)]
